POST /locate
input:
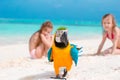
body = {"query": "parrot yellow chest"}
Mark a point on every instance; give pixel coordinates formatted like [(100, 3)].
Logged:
[(61, 56)]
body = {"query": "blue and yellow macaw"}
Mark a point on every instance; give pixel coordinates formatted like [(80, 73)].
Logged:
[(63, 57), (62, 53)]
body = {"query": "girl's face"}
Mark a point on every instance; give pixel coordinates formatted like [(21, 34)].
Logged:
[(107, 23), (46, 31)]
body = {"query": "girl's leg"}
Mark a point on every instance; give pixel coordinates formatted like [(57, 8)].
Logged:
[(117, 52), (45, 51), (47, 44), (39, 51), (107, 51)]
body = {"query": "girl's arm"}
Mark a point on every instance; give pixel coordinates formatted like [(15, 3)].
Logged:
[(102, 43), (47, 41), (115, 41)]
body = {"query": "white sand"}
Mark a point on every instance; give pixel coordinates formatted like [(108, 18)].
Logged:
[(15, 64)]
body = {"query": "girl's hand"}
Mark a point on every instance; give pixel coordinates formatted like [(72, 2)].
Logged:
[(47, 40), (42, 35), (48, 36)]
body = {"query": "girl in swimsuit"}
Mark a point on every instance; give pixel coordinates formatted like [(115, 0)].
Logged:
[(112, 32), (41, 41)]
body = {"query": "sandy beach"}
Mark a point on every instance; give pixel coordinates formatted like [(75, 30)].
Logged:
[(16, 64), (82, 22)]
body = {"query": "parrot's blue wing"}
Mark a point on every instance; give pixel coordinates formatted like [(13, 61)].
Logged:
[(50, 55), (74, 53)]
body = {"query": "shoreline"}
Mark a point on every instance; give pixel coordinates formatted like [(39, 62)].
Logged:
[(18, 41)]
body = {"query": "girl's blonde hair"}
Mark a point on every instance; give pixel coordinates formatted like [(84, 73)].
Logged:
[(47, 24), (113, 20)]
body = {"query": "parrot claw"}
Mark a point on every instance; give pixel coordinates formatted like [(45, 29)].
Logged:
[(58, 77), (65, 73)]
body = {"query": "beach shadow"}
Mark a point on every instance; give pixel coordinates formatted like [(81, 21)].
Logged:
[(43, 76)]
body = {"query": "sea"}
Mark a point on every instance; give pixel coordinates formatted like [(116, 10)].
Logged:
[(19, 31)]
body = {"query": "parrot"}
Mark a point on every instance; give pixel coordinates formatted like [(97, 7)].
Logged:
[(62, 53)]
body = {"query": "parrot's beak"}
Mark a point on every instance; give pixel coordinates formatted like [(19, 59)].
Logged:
[(64, 38)]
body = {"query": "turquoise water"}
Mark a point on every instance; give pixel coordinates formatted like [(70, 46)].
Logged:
[(20, 32)]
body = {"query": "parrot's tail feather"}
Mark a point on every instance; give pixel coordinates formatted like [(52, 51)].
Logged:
[(80, 51), (79, 48)]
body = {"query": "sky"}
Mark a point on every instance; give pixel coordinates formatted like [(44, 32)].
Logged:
[(84, 10)]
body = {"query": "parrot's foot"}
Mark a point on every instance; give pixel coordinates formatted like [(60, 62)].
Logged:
[(65, 73), (58, 77)]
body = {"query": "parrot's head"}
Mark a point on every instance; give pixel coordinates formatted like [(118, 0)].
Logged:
[(61, 37)]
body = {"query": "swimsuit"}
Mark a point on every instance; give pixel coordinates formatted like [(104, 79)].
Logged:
[(112, 36), (33, 53)]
